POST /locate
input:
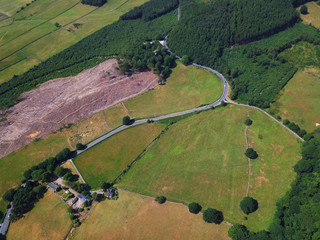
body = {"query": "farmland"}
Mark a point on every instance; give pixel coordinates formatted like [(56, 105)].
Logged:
[(299, 101), (48, 220), (136, 217), (34, 36), (313, 17), (105, 161), (186, 88), (202, 159)]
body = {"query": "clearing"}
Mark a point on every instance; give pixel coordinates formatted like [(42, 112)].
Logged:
[(105, 161), (48, 220), (186, 88), (136, 217), (313, 17), (202, 159), (299, 101), (68, 100)]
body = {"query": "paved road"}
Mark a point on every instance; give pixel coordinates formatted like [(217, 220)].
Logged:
[(179, 12), (5, 223)]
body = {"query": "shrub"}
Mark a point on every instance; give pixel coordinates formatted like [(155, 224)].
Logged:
[(8, 195), (127, 120), (185, 60), (161, 199), (248, 205), (250, 153), (194, 207), (213, 216), (304, 10), (80, 146), (286, 121), (238, 232), (248, 122), (223, 104)]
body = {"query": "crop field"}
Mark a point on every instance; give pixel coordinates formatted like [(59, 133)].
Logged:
[(34, 32), (313, 17), (105, 161), (299, 101), (48, 220), (202, 159), (186, 88), (136, 217)]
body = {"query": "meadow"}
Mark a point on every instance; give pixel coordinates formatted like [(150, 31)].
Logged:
[(202, 159), (136, 217), (34, 34), (186, 88), (105, 161), (299, 101), (48, 220), (313, 16)]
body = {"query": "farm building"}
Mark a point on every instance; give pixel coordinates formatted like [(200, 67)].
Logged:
[(55, 186), (74, 200), (83, 198), (110, 193)]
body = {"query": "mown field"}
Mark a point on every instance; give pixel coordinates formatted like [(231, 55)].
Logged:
[(313, 17), (186, 88), (33, 34), (105, 161), (48, 220), (202, 159), (136, 217), (299, 101)]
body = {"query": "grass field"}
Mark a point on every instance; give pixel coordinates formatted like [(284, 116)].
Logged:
[(314, 14), (136, 217), (202, 159), (186, 88), (33, 29), (105, 161), (299, 101), (48, 220), (10, 7)]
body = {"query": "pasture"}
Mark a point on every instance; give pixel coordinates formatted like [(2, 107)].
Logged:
[(202, 159), (186, 88), (105, 161), (33, 29), (313, 17), (299, 101), (48, 220), (136, 217)]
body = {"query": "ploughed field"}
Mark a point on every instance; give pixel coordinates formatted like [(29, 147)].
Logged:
[(202, 159)]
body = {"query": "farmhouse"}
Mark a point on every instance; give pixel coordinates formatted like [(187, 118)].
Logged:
[(83, 198), (110, 193), (55, 186)]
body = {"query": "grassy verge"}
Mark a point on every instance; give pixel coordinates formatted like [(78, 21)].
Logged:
[(202, 159), (105, 161), (48, 220), (135, 217)]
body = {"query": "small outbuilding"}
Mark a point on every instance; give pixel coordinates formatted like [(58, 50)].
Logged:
[(74, 200), (83, 198), (55, 186), (110, 193)]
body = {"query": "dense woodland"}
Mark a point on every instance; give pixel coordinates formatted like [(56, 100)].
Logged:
[(151, 10), (298, 213), (96, 3)]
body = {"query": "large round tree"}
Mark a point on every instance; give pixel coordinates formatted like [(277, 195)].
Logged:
[(213, 216), (250, 153), (248, 205), (194, 207)]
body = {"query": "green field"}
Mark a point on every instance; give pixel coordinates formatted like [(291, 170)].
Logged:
[(10, 7), (202, 159), (186, 88), (136, 217), (105, 161), (299, 101), (33, 29), (48, 220)]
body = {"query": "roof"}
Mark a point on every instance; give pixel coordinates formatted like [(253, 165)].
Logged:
[(83, 198), (110, 192), (54, 185)]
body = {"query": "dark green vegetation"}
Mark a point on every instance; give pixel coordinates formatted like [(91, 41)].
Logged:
[(194, 207), (151, 10), (211, 215), (161, 199), (96, 3), (248, 122), (80, 146), (248, 205), (294, 127), (120, 38), (126, 120), (297, 214), (304, 10), (250, 153)]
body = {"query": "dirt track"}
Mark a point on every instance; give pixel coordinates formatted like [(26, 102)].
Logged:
[(68, 100)]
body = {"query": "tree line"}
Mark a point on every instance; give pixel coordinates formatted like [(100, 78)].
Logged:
[(96, 3), (151, 10)]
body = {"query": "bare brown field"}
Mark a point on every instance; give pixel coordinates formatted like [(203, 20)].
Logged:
[(67, 100), (137, 217)]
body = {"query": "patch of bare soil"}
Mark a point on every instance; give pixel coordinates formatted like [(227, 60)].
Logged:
[(59, 102)]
